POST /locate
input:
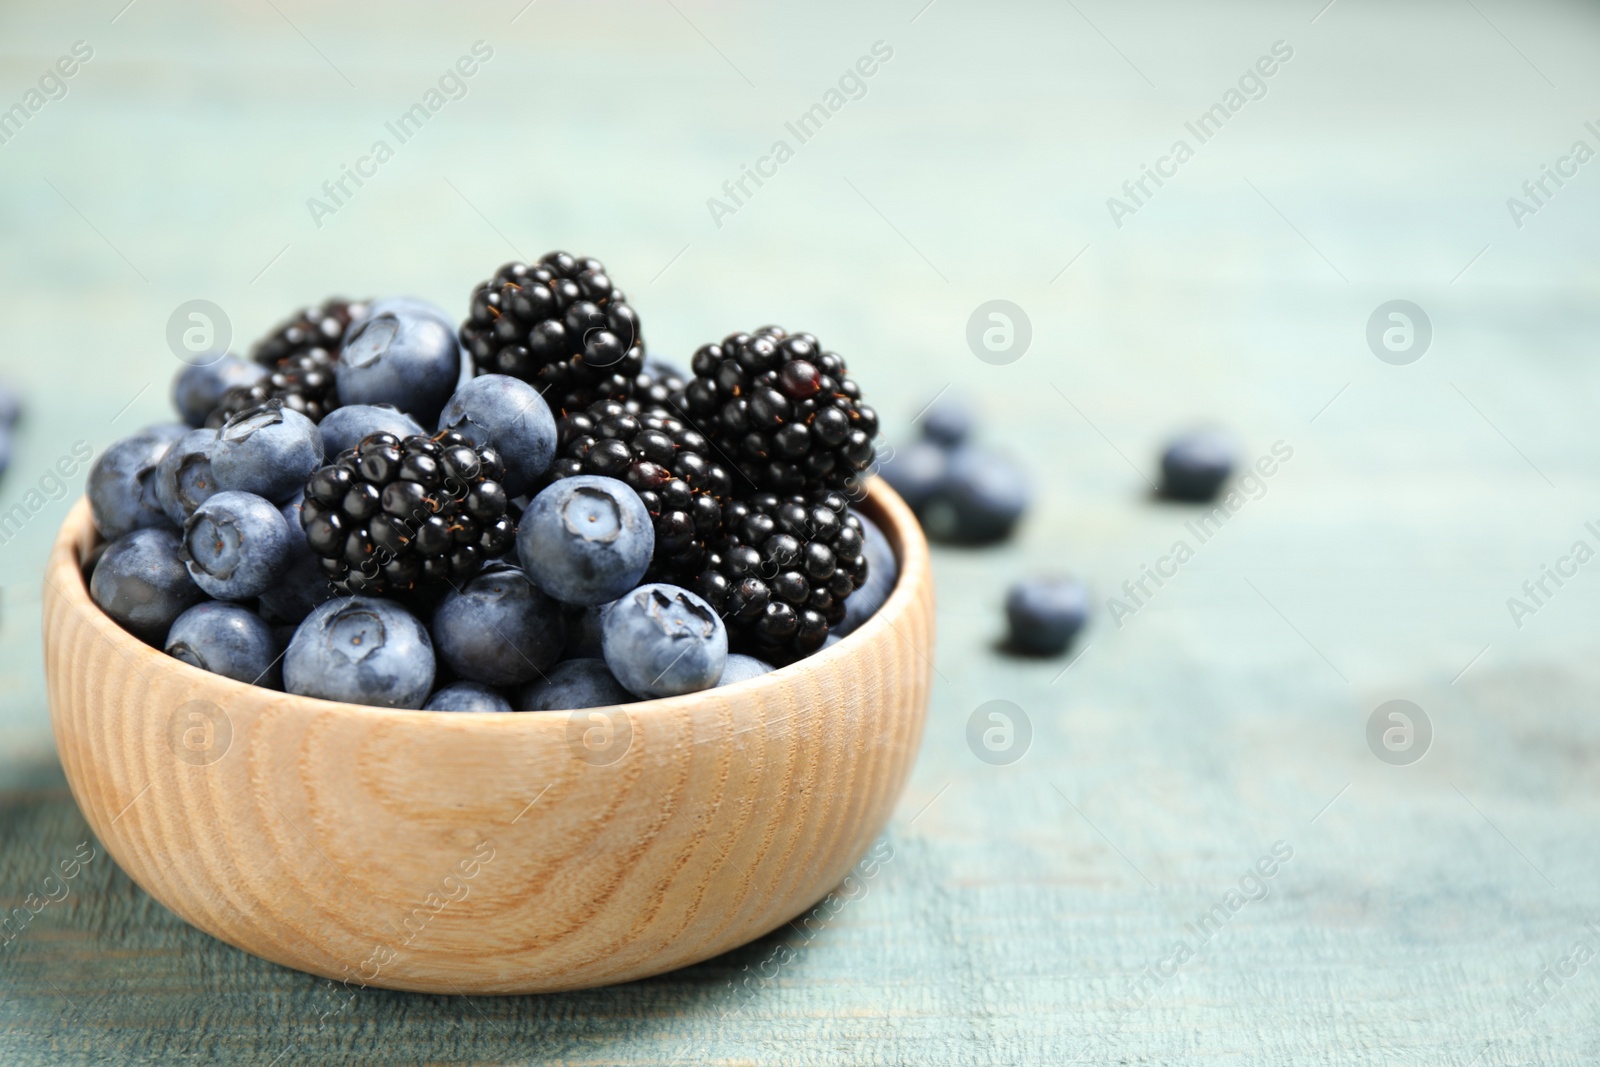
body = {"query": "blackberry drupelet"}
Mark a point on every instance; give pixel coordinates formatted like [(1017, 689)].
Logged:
[(667, 463), (781, 572), (300, 354), (560, 325), (783, 409), (657, 388), (394, 516)]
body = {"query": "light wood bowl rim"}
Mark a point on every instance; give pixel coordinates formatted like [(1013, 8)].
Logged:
[(77, 536)]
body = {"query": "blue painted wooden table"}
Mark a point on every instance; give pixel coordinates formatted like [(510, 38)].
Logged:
[(1204, 850)]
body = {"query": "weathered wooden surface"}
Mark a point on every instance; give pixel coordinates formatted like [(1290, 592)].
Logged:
[(1022, 903)]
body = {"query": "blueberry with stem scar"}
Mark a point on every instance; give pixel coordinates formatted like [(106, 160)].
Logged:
[(586, 540), (361, 650), (236, 545), (226, 639), (661, 640)]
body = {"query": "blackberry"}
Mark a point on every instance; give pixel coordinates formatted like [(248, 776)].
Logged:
[(405, 515), (783, 409), (780, 573), (665, 461), (658, 388), (301, 354), (560, 325)]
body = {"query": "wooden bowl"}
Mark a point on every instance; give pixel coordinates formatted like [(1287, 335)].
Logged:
[(483, 853)]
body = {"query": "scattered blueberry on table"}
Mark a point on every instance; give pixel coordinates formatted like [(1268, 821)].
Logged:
[(1043, 615), (10, 407), (527, 513), (948, 421), (962, 491), (916, 472), (980, 500), (1195, 465)]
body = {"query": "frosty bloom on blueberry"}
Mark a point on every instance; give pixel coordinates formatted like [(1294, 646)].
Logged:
[(660, 641), (269, 450), (405, 355), (235, 545), (361, 650), (122, 484), (183, 478), (586, 540)]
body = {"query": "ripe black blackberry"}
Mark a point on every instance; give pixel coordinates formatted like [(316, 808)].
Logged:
[(783, 409), (560, 325), (301, 354), (782, 569), (666, 462), (657, 388), (394, 516)]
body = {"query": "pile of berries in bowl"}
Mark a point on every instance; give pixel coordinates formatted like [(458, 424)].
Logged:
[(520, 512)]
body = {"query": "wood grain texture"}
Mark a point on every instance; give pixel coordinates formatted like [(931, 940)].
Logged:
[(483, 853)]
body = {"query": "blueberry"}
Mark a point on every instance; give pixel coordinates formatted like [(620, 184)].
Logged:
[(982, 496), (226, 639), (141, 583), (197, 391), (1045, 614), (167, 431), (573, 684), (583, 631), (405, 354), (413, 305), (511, 417), (303, 585), (5, 449), (586, 540), (661, 369), (661, 640), (122, 485), (882, 572), (947, 422), (361, 650), (916, 472), (467, 696), (10, 407), (344, 427), (183, 478), (269, 450), (1195, 465), (236, 545), (741, 668), (499, 628)]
